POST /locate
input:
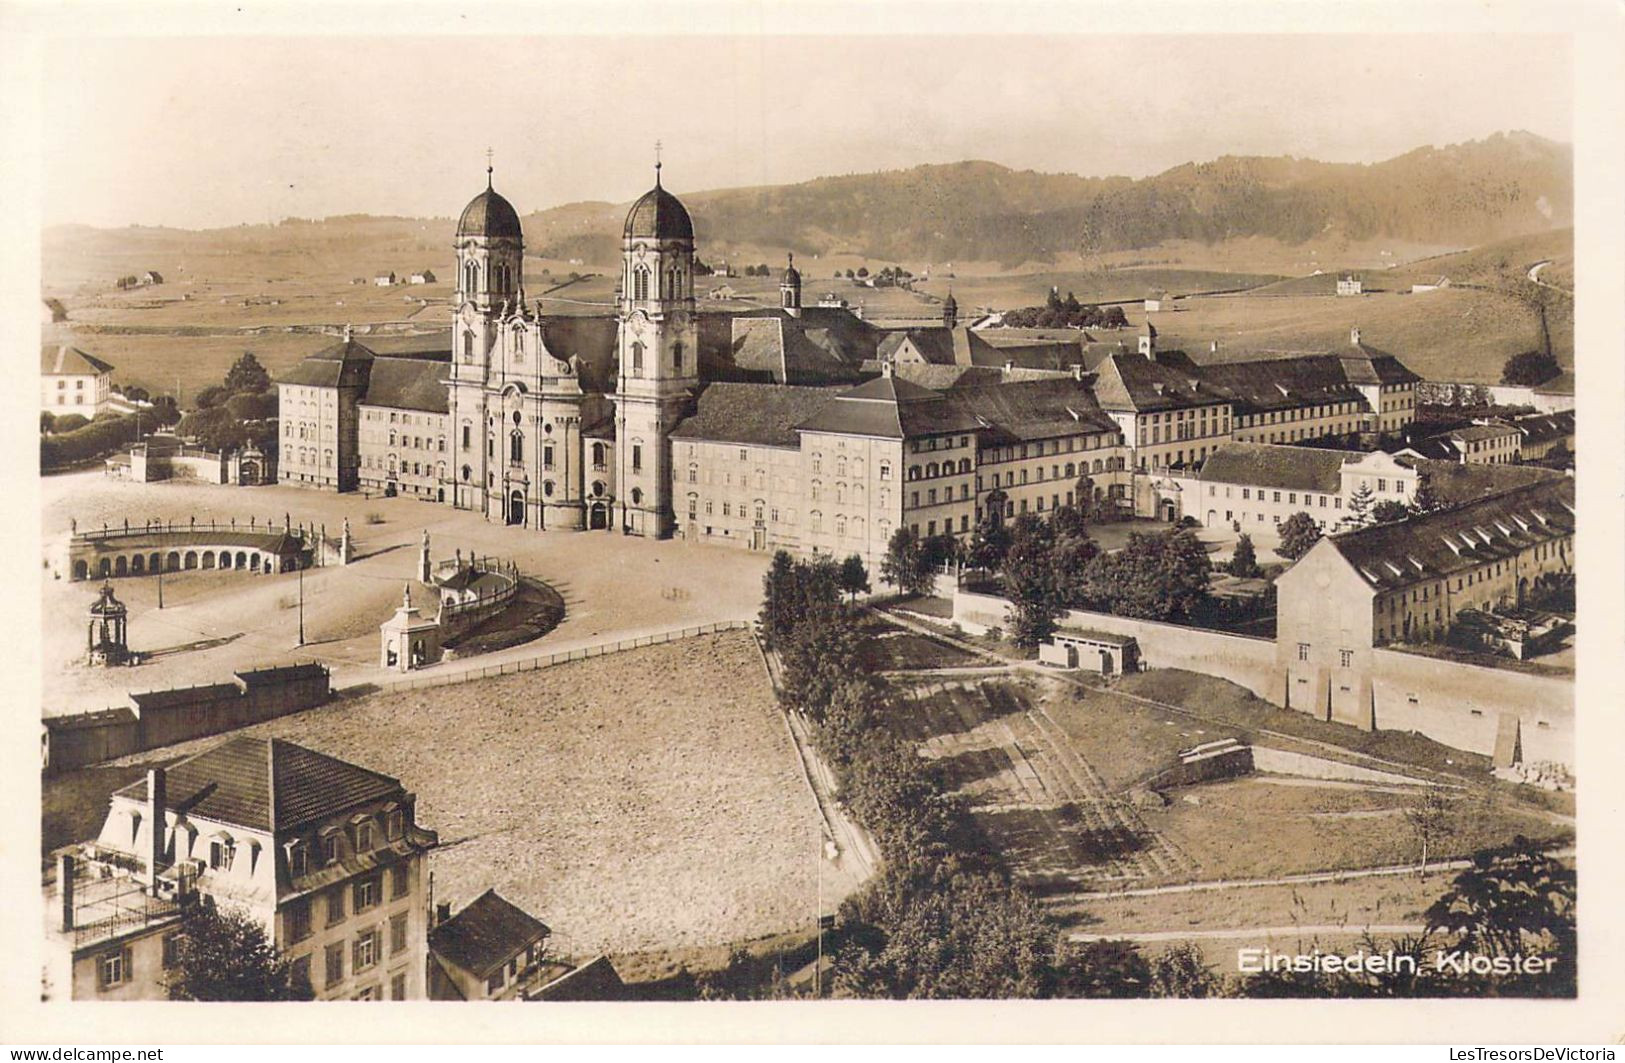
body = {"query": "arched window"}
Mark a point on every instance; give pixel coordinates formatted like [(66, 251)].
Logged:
[(964, 465), (468, 345), (857, 494), (467, 472), (840, 491), (637, 496), (931, 469), (840, 527), (840, 465), (637, 357), (857, 527), (516, 446), (677, 356), (640, 283), (693, 474), (471, 278), (598, 455), (816, 520), (817, 490)]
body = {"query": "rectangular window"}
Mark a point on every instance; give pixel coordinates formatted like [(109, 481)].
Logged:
[(1303, 651), (330, 848), (171, 953), (333, 963), (397, 934), (637, 457), (366, 950), (114, 969), (335, 906), (397, 987), (367, 893), (493, 984), (363, 837), (1346, 658), (299, 920), (399, 881), (300, 973)]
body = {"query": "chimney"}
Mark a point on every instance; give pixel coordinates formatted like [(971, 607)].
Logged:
[(64, 885), (1354, 337), (1077, 371), (155, 825), (442, 912)]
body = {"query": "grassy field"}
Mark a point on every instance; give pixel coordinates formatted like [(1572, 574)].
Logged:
[(887, 648), (1321, 827), (641, 800), (1126, 741), (1458, 334)]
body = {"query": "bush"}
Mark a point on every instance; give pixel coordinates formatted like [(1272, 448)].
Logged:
[(69, 422), (94, 439), (1530, 368), (253, 405)]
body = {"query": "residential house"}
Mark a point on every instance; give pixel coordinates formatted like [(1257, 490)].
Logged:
[(72, 381)]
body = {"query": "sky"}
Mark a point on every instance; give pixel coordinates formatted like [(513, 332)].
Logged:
[(212, 131)]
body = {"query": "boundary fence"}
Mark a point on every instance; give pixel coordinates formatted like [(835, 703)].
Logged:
[(531, 664)]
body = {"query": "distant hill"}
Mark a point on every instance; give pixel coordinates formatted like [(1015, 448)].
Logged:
[(1462, 195)]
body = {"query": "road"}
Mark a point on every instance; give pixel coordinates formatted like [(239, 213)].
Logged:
[(1250, 932)]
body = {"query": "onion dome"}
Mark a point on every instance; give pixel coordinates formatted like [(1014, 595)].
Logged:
[(658, 215), (792, 276), (488, 214)]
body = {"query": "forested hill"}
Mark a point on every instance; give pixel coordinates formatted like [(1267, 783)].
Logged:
[(1461, 195)]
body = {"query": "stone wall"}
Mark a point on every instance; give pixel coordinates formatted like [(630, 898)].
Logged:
[(255, 696), (1465, 706)]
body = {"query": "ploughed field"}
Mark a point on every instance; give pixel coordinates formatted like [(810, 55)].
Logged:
[(640, 800)]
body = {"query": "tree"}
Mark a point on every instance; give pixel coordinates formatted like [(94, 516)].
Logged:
[(1030, 583), (210, 397), (214, 428), (69, 422), (778, 615), (1182, 972), (247, 375), (1103, 969), (1298, 533), (817, 658), (1389, 510), (1155, 577), (1514, 901), (1360, 503), (1425, 500), (850, 274), (904, 565), (253, 406), (1530, 368), (46, 420), (1431, 818), (223, 954), (854, 576), (1244, 559), (1070, 556), (863, 271)]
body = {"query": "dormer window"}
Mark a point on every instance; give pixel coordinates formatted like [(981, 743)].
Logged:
[(221, 853), (298, 859), (363, 836), (394, 824), (330, 848)]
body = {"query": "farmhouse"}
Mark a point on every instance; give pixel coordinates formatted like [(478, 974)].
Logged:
[(423, 276), (491, 950), (384, 280), (325, 854), (1349, 284), (72, 381)]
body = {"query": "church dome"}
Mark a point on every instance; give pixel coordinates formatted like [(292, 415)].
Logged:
[(792, 276), (659, 215), (488, 214)]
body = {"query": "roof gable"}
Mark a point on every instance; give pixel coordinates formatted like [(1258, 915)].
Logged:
[(486, 934)]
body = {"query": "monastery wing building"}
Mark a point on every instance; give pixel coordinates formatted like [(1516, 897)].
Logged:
[(804, 428)]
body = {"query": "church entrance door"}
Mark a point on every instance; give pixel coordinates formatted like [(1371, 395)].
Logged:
[(516, 507)]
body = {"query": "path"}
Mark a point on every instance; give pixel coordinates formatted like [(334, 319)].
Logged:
[(1534, 275)]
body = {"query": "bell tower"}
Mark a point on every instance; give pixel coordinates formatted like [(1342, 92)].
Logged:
[(658, 356), (490, 250)]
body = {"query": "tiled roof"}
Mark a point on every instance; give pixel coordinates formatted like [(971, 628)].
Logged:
[(1541, 427), (763, 414), (408, 384), (1035, 409), (1391, 556), (596, 979), (237, 781), (1274, 466), (344, 364), (1454, 481), (486, 934), (821, 345), (62, 360), (1132, 382), (890, 408), (1273, 383), (1474, 433), (284, 673)]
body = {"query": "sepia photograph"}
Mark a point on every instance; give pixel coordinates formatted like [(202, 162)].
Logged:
[(721, 515)]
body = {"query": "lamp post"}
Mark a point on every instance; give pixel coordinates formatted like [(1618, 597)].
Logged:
[(301, 605), (160, 581)]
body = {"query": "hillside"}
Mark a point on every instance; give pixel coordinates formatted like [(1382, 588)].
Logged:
[(1462, 195)]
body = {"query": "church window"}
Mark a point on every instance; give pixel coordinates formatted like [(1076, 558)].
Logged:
[(516, 446), (640, 283), (491, 446), (471, 278), (637, 457), (677, 356), (547, 456), (467, 472), (467, 442), (598, 456), (637, 357), (468, 346), (637, 496)]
